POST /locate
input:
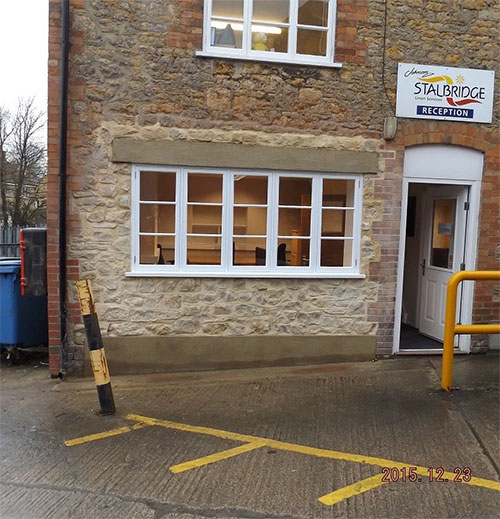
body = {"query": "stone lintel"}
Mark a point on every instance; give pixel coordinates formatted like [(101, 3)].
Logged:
[(241, 156), (153, 354)]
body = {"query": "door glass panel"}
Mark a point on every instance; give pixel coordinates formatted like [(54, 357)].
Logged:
[(443, 233)]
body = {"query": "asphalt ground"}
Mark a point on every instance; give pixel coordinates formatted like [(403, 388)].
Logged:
[(290, 442)]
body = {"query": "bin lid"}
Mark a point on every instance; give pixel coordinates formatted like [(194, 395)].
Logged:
[(10, 267)]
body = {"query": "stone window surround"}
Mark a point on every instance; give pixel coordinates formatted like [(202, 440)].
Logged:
[(134, 150), (246, 53)]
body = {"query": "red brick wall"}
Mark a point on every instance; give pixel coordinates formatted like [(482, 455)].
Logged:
[(411, 133), (74, 138)]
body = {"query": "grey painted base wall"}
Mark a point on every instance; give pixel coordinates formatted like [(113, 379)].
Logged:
[(128, 355)]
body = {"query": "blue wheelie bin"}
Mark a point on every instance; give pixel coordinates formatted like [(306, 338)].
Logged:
[(23, 320)]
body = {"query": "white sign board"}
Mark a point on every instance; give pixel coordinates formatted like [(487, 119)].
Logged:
[(446, 93)]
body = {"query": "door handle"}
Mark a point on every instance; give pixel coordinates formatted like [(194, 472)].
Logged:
[(423, 267)]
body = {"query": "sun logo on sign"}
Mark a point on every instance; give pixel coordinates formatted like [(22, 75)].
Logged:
[(460, 79)]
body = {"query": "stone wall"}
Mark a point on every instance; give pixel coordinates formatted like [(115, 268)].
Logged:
[(134, 73)]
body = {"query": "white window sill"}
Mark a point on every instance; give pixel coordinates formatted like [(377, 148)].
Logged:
[(270, 59), (248, 275)]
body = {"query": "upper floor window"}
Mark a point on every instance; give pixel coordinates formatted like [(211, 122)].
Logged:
[(240, 223), (287, 31)]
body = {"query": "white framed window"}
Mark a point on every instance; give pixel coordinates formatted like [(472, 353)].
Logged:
[(286, 31), (206, 222)]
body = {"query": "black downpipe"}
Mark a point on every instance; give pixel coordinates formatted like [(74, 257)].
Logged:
[(63, 130)]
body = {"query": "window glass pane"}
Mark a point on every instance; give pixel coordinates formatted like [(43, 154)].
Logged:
[(443, 233), (157, 218), (203, 250), (271, 11), (269, 38), (150, 247), (249, 251), (311, 42), (337, 223), (157, 186), (294, 222), (295, 191), (205, 188), (204, 219), (250, 220), (228, 8), (249, 189), (338, 193), (313, 12), (336, 253), (226, 34), (293, 252)]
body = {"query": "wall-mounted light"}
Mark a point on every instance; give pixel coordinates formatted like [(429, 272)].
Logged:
[(269, 29), (390, 128)]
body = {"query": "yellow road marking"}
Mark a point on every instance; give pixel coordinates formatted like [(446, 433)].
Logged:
[(352, 490), (105, 434), (303, 449), (218, 456)]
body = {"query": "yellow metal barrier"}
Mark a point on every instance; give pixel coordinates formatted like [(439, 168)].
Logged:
[(451, 328)]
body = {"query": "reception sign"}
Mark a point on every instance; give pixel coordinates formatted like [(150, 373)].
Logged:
[(446, 93)]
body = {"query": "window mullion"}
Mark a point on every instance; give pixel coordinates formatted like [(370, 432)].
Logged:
[(178, 219), (207, 23), (183, 218), (272, 219), (330, 38), (136, 182), (227, 221), (247, 26), (292, 33), (356, 245), (316, 202)]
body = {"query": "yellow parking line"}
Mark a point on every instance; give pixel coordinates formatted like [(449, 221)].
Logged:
[(352, 490), (310, 451), (105, 434), (218, 456)]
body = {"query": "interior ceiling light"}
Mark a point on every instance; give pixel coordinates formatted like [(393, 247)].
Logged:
[(269, 29)]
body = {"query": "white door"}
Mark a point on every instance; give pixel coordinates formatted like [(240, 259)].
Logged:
[(442, 253)]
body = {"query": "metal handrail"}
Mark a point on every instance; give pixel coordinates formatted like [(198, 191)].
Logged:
[(451, 328)]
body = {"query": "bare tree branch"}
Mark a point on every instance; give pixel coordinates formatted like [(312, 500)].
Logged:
[(23, 165)]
